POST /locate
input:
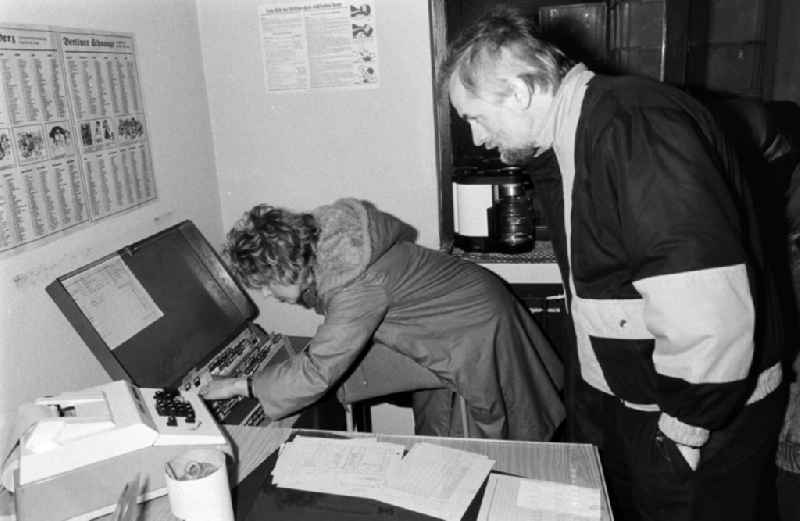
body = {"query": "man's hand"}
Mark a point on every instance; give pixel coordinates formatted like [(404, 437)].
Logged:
[(690, 454), (222, 388)]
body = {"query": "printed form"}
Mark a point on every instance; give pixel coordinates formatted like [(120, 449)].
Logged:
[(434, 480), (510, 498), (348, 467), (437, 481), (114, 300)]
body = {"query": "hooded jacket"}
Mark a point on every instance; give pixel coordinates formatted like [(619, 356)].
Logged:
[(427, 319)]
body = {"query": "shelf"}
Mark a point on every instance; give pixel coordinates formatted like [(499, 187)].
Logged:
[(542, 253)]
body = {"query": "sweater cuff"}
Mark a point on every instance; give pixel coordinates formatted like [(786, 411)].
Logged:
[(682, 433)]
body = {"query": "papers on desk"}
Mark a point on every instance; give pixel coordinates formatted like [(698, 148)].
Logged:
[(437, 481), (356, 467), (430, 479), (510, 498)]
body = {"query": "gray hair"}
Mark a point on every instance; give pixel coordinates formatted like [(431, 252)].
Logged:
[(502, 43)]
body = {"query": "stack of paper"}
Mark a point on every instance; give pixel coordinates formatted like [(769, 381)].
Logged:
[(509, 498), (436, 481)]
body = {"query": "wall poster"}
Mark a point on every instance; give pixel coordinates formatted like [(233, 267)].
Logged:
[(74, 145), (310, 44)]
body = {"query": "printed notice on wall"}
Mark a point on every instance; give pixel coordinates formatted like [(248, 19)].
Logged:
[(319, 45), (73, 137)]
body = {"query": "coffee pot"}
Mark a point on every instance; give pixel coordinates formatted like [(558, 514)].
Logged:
[(511, 221), (493, 210)]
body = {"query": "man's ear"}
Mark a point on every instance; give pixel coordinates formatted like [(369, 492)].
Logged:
[(521, 93)]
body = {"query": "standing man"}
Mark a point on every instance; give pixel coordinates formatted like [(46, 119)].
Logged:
[(398, 317), (678, 343)]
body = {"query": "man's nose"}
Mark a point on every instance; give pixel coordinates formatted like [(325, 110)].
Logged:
[(479, 135)]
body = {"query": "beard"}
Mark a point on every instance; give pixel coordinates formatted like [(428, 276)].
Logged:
[(518, 155)]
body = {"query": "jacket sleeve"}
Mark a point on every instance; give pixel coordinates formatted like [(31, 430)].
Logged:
[(684, 239), (354, 313)]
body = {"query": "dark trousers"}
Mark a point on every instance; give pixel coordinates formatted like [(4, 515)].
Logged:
[(788, 495), (648, 479)]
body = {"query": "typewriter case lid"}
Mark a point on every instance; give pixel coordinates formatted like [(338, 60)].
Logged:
[(203, 307)]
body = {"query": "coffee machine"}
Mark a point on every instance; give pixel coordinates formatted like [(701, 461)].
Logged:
[(493, 210)]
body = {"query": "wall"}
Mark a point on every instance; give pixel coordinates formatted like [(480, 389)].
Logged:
[(305, 148), (39, 351)]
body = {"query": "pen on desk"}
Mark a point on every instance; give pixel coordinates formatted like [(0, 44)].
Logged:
[(126, 509), (120, 509), (170, 471)]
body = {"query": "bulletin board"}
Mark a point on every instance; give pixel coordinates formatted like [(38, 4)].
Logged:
[(74, 145)]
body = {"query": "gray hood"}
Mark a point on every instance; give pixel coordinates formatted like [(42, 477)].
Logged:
[(353, 235)]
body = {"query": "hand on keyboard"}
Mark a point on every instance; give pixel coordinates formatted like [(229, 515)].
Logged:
[(219, 388)]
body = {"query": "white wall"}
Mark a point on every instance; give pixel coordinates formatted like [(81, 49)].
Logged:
[(39, 351), (303, 149)]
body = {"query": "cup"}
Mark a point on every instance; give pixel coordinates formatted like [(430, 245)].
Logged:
[(198, 487)]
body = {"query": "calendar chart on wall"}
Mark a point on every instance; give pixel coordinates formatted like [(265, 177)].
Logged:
[(74, 145)]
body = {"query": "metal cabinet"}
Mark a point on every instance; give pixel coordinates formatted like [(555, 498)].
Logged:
[(731, 46)]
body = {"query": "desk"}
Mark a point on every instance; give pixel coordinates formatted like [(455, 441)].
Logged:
[(578, 464)]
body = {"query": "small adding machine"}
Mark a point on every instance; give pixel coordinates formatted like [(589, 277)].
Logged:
[(75, 460)]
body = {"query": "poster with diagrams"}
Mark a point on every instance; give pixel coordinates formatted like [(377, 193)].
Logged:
[(319, 45), (74, 146)]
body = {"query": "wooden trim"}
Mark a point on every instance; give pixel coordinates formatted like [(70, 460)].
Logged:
[(444, 143)]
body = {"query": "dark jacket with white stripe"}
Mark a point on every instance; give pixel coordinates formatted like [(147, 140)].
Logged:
[(672, 305)]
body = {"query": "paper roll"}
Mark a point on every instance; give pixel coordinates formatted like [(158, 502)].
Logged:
[(198, 488)]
